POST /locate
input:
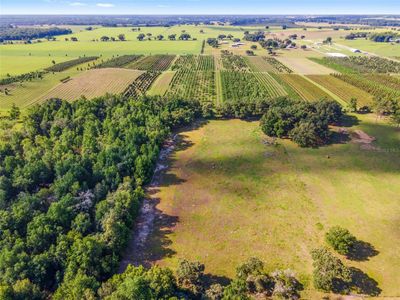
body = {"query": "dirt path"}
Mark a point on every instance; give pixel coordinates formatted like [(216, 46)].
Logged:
[(135, 252)]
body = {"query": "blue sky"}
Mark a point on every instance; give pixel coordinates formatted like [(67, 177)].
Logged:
[(200, 6)]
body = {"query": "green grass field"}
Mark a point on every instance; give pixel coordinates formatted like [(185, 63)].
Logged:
[(384, 49), (227, 196)]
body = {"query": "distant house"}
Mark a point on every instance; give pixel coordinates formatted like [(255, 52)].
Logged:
[(334, 54), (237, 45)]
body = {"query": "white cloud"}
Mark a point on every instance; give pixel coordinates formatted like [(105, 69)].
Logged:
[(105, 5), (77, 4)]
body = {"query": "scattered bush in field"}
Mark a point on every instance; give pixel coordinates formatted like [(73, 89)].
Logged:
[(253, 266), (119, 61), (68, 64), (340, 239), (329, 274)]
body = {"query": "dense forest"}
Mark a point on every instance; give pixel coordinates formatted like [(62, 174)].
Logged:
[(28, 33), (71, 183)]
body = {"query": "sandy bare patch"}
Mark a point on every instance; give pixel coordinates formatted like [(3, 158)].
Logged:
[(364, 140)]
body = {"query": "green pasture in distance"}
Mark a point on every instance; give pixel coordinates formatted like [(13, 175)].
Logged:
[(15, 63), (384, 49)]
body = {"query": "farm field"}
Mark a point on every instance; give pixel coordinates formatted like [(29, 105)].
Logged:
[(28, 93), (276, 202), (259, 64), (90, 84), (304, 66), (342, 89), (307, 90), (160, 86)]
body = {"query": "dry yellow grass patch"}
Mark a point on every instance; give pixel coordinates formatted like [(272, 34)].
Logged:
[(93, 83)]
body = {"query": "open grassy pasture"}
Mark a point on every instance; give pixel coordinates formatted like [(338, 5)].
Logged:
[(384, 49), (227, 196), (15, 64), (91, 84), (306, 89), (342, 89)]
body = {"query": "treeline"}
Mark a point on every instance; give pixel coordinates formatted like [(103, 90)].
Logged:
[(23, 77), (71, 182), (28, 33), (70, 63), (385, 37)]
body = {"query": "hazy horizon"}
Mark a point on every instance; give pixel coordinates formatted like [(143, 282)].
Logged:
[(198, 7)]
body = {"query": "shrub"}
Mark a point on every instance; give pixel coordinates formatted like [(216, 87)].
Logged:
[(190, 275), (253, 266), (329, 274), (286, 284), (340, 239)]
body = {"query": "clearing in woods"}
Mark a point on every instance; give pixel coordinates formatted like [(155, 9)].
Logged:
[(221, 205), (91, 84)]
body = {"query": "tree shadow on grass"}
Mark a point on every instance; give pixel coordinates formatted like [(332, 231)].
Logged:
[(157, 245), (363, 284), (362, 251), (349, 121), (210, 279)]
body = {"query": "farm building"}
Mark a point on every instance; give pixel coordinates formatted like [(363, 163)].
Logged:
[(237, 45)]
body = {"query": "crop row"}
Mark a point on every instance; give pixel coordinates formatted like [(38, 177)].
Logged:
[(306, 89), (119, 61), (238, 86), (375, 88), (233, 62), (70, 63), (195, 62), (199, 85), (385, 79), (271, 86), (361, 64), (153, 63), (342, 89), (141, 84)]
